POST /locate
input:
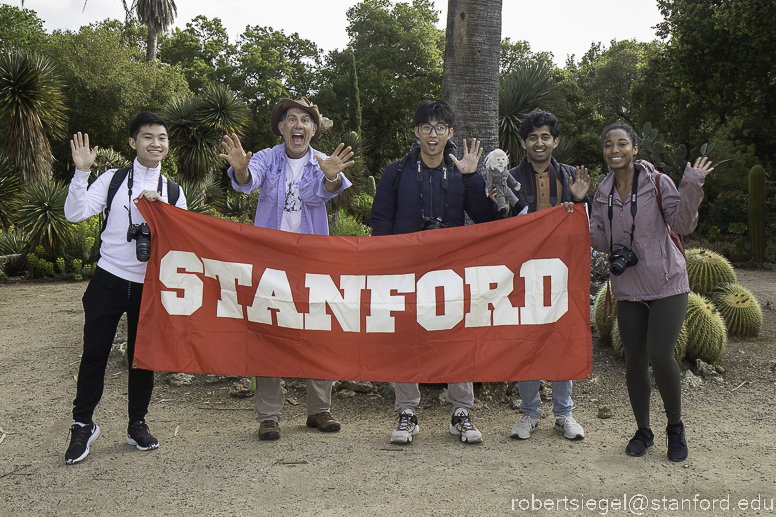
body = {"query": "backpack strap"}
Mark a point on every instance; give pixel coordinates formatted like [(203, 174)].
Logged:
[(173, 192), (115, 183)]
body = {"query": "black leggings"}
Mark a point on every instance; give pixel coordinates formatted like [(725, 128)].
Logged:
[(649, 331), (106, 298)]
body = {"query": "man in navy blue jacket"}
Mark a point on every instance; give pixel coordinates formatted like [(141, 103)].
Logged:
[(427, 189)]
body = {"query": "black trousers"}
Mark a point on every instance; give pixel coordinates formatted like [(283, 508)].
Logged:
[(106, 299), (649, 331)]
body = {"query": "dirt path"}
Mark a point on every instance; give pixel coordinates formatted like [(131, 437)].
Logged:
[(211, 462)]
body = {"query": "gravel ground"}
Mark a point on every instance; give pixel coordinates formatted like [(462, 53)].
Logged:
[(211, 462)]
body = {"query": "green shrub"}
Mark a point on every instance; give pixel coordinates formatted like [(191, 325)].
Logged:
[(347, 226), (40, 209), (13, 241)]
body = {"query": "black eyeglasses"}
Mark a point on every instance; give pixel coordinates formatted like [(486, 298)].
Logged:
[(439, 129)]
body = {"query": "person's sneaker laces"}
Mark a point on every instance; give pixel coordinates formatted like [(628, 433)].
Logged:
[(324, 422), (269, 430), (523, 429), (406, 427), (462, 426), (641, 441), (569, 427), (677, 443), (139, 436), (81, 437)]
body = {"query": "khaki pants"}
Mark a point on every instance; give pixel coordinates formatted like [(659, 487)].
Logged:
[(269, 397), (459, 394)]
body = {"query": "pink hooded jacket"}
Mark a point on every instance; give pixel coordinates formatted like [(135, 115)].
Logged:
[(661, 270)]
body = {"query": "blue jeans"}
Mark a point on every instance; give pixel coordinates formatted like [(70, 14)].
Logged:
[(561, 398)]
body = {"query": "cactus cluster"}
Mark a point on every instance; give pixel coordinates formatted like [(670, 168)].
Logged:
[(706, 330), (757, 212), (601, 322), (706, 270), (740, 310)]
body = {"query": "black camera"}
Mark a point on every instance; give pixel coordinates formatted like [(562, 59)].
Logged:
[(433, 223), (142, 234), (621, 259)]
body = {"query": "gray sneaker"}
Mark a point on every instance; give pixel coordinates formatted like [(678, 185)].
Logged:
[(569, 427), (406, 427), (462, 426), (523, 429)]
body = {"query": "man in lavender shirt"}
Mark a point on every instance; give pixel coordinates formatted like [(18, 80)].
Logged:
[(294, 181)]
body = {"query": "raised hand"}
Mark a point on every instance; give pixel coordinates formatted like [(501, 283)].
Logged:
[(335, 163), (580, 187), (702, 163), (83, 158), (235, 154), (468, 164)]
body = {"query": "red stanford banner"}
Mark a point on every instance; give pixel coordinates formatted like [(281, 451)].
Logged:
[(501, 301)]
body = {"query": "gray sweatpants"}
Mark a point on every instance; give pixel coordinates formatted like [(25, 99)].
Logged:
[(269, 397), (459, 394)]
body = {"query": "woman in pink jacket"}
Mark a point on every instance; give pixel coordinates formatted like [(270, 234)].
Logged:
[(648, 274)]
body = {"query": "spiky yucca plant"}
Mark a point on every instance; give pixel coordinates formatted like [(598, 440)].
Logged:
[(740, 310), (706, 270), (40, 210), (108, 159), (10, 185), (707, 334), (601, 321), (520, 92), (32, 109)]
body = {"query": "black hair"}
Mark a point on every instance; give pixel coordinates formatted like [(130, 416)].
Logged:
[(625, 127), (436, 109), (537, 119), (145, 118)]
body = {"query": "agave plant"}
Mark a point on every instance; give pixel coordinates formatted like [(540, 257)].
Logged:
[(40, 210), (522, 91), (13, 244), (32, 109)]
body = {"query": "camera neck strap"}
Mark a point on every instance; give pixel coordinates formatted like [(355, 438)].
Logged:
[(129, 189), (445, 184), (632, 208)]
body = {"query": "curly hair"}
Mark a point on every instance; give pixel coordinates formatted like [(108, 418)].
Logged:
[(537, 119)]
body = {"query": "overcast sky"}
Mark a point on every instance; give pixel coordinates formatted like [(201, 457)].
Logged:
[(563, 27)]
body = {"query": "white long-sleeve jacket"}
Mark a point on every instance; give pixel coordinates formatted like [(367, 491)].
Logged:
[(117, 256)]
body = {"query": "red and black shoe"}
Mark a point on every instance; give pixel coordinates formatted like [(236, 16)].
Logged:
[(139, 436)]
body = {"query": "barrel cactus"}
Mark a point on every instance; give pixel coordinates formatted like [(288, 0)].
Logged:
[(706, 331), (617, 346), (601, 322), (679, 348), (740, 310), (757, 212), (706, 270)]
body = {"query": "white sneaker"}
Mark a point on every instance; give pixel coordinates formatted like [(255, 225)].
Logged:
[(460, 425), (406, 428), (570, 428), (524, 427)]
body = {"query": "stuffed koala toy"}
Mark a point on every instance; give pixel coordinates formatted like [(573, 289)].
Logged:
[(497, 174)]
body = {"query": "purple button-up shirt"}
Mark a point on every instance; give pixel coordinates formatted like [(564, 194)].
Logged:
[(267, 170)]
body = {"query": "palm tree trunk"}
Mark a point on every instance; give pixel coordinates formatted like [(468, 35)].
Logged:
[(470, 78), (151, 46)]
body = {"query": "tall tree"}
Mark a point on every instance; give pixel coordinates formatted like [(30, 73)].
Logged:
[(157, 16), (32, 109), (470, 81)]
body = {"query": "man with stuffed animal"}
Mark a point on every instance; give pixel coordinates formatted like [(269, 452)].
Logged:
[(545, 183), (430, 188), (295, 182)]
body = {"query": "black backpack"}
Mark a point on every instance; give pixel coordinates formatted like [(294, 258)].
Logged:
[(173, 191)]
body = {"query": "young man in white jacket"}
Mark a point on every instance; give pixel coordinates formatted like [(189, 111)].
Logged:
[(117, 285)]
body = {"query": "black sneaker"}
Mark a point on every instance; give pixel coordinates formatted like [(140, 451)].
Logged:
[(81, 437), (641, 441), (139, 436), (677, 443)]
